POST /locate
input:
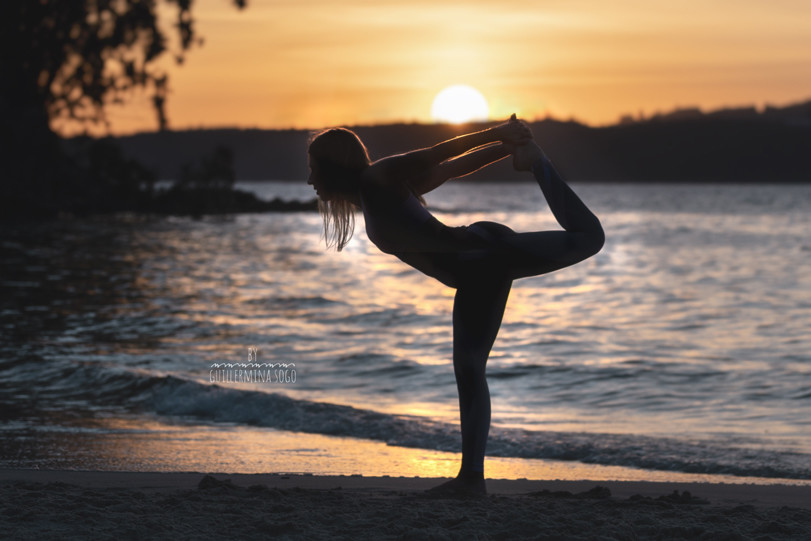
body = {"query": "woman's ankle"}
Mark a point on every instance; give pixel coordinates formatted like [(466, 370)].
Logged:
[(470, 475)]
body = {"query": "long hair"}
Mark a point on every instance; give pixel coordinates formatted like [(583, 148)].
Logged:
[(340, 157)]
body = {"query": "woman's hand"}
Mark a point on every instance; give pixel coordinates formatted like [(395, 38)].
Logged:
[(514, 132)]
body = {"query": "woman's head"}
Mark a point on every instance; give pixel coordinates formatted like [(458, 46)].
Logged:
[(337, 160)]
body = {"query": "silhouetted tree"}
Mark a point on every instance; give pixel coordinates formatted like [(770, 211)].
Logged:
[(68, 58), (64, 59)]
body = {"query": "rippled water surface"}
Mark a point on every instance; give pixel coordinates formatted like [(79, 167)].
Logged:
[(682, 346)]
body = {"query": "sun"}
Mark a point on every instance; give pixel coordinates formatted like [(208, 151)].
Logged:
[(459, 103)]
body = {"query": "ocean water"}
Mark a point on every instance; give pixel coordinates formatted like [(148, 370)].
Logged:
[(241, 343)]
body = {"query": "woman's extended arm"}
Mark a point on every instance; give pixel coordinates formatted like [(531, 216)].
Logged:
[(464, 143), (427, 168), (460, 166)]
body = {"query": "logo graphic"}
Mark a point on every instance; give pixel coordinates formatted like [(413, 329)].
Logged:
[(253, 371)]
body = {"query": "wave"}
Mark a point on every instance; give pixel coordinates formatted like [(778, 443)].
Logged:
[(287, 302), (104, 388), (173, 396)]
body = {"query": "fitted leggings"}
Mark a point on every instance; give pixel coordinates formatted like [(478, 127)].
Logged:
[(483, 283)]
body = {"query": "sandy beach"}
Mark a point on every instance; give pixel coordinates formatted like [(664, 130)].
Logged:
[(102, 505)]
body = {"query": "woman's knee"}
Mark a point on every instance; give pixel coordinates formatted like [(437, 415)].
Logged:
[(596, 239), (470, 359), (470, 375)]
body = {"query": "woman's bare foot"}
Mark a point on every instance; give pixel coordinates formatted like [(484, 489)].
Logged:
[(461, 488)]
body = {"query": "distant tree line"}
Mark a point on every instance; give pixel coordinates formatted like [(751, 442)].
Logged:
[(718, 146)]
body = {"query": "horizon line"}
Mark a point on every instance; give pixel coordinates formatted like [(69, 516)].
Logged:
[(624, 119)]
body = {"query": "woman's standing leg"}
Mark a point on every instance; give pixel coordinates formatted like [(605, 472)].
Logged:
[(478, 309)]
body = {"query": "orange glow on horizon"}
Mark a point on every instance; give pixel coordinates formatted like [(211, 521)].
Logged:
[(305, 65)]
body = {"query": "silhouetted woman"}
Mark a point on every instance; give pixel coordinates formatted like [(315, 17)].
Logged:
[(480, 260)]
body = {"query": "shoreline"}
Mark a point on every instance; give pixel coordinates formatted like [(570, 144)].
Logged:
[(51, 504), (158, 445)]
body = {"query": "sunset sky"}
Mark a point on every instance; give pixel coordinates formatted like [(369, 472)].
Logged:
[(314, 63)]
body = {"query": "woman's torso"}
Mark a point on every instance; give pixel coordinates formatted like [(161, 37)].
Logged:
[(398, 224)]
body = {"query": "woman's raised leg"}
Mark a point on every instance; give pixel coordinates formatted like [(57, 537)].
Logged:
[(531, 254)]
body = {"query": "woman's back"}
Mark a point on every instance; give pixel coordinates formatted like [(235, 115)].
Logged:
[(395, 224)]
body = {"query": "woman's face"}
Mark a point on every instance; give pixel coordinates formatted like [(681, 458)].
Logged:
[(320, 190)]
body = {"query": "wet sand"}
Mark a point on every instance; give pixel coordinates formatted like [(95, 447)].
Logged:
[(76, 504)]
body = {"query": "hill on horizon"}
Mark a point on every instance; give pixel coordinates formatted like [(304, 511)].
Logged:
[(726, 145)]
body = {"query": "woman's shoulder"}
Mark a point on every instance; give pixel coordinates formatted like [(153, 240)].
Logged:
[(378, 180)]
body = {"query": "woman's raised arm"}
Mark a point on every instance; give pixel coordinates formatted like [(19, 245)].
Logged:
[(460, 166), (427, 168), (514, 132)]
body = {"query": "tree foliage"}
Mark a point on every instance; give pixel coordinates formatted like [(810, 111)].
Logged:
[(70, 57), (65, 60)]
